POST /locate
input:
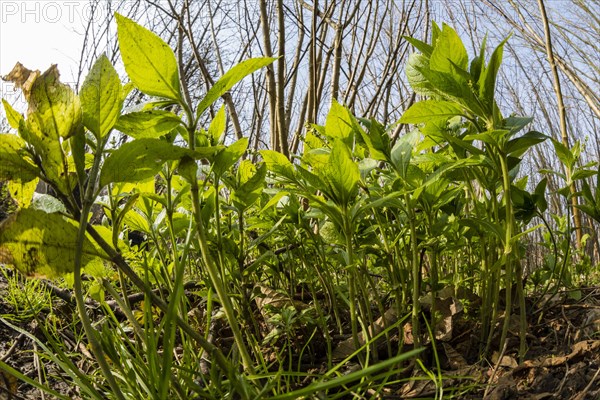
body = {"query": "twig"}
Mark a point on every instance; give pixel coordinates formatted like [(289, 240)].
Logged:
[(495, 370), (12, 348), (581, 395)]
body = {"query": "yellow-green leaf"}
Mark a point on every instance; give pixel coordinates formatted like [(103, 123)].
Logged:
[(147, 124), (54, 107), (231, 77), (14, 160), (43, 245), (12, 116), (101, 97), (339, 123), (150, 62)]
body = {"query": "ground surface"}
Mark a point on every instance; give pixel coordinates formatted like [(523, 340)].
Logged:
[(563, 361)]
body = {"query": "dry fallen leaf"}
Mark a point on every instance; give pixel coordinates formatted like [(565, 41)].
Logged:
[(23, 78)]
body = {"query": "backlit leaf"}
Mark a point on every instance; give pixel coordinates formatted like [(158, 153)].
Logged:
[(217, 126), (139, 160), (150, 62), (101, 97), (339, 123), (341, 174), (53, 106), (43, 245), (231, 77), (448, 49), (14, 161), (150, 124), (278, 163), (229, 156), (12, 116), (426, 110)]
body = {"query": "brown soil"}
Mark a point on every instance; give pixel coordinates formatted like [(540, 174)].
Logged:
[(562, 362)]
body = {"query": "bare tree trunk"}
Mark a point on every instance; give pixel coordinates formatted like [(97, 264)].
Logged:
[(271, 86), (563, 117), (282, 135)]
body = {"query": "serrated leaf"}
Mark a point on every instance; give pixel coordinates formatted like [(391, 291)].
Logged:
[(43, 245), (231, 77), (415, 69), (423, 47), (139, 160), (101, 97), (150, 124), (150, 62), (427, 110)]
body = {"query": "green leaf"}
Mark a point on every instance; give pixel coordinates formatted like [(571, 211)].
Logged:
[(402, 152), (188, 169), (278, 163), (217, 126), (564, 154), (341, 174), (43, 245), (517, 147), (448, 49), (49, 151), (231, 77), (229, 156), (150, 124), (416, 69), (139, 160), (12, 116), (423, 47), (487, 79), (477, 62), (149, 61), (22, 192), (377, 139), (516, 124), (427, 110), (14, 161), (339, 123), (54, 109), (484, 227), (101, 97), (252, 181)]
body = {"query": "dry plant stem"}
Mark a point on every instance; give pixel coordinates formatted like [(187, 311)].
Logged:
[(563, 117), (494, 372)]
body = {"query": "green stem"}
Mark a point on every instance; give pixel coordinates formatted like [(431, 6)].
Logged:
[(90, 332), (509, 266), (213, 271), (352, 274), (416, 273)]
